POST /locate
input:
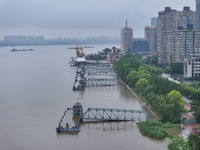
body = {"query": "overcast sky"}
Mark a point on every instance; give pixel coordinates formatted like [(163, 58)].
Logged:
[(80, 18)]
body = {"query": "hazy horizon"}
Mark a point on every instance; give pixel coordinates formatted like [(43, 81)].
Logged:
[(77, 18)]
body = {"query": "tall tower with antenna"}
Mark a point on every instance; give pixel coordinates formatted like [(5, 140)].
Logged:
[(126, 38)]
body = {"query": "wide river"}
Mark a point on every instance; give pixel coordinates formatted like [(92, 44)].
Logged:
[(36, 89)]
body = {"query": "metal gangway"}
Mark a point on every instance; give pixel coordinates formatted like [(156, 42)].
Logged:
[(101, 75), (108, 114)]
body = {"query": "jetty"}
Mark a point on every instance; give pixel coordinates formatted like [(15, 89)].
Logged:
[(72, 118), (95, 75)]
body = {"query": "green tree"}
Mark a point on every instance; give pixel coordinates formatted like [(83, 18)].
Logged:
[(177, 68), (179, 143), (168, 70), (107, 50), (141, 85), (194, 141), (174, 98), (151, 60), (132, 78), (197, 114)]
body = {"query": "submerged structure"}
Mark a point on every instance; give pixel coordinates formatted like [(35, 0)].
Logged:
[(71, 119)]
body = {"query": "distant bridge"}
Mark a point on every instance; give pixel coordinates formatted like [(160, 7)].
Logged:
[(107, 114)]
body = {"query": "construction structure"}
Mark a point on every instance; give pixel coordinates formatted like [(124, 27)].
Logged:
[(79, 51)]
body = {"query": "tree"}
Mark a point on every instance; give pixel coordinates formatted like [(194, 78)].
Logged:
[(197, 114), (177, 68), (194, 141), (168, 70), (134, 62), (132, 78), (107, 50), (141, 85), (174, 98), (151, 60)]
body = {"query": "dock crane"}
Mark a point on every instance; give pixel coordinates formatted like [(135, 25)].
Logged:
[(79, 51)]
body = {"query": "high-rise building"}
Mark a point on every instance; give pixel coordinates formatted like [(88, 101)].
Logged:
[(126, 39), (168, 21), (140, 45), (154, 21), (183, 43), (150, 33), (197, 15)]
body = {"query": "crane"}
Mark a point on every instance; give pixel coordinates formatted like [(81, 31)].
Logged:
[(79, 50)]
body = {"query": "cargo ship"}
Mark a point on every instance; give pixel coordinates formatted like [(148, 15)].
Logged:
[(71, 119), (18, 50)]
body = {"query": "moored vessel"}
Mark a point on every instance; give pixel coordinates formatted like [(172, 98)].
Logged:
[(71, 119)]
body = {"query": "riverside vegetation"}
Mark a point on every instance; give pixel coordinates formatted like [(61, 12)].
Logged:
[(162, 95)]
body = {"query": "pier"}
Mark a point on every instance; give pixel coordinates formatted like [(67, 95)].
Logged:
[(72, 118), (95, 75)]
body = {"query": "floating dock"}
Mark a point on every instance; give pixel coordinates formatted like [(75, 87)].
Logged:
[(71, 119)]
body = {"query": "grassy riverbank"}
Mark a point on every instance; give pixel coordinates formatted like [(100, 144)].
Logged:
[(155, 129)]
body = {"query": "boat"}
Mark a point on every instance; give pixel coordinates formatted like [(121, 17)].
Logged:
[(71, 119), (77, 61), (72, 61), (88, 46), (17, 50)]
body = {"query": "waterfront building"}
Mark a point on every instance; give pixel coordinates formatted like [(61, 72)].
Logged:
[(150, 33), (126, 39), (168, 22), (192, 66), (197, 15), (140, 45), (113, 56)]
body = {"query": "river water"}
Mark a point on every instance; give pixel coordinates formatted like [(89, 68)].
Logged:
[(36, 89)]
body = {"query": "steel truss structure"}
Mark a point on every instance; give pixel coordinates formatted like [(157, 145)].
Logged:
[(108, 114)]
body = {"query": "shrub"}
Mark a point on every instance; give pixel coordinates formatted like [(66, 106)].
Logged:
[(154, 129)]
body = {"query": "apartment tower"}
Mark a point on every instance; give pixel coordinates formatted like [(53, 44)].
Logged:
[(168, 22), (197, 15), (150, 33)]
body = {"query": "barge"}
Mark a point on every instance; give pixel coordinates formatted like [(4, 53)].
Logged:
[(71, 119), (18, 50)]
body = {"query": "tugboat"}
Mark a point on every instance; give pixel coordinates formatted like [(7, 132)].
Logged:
[(71, 119)]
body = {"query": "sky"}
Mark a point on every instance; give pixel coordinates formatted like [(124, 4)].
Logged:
[(80, 18)]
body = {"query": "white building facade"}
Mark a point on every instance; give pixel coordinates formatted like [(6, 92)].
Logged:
[(192, 66)]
